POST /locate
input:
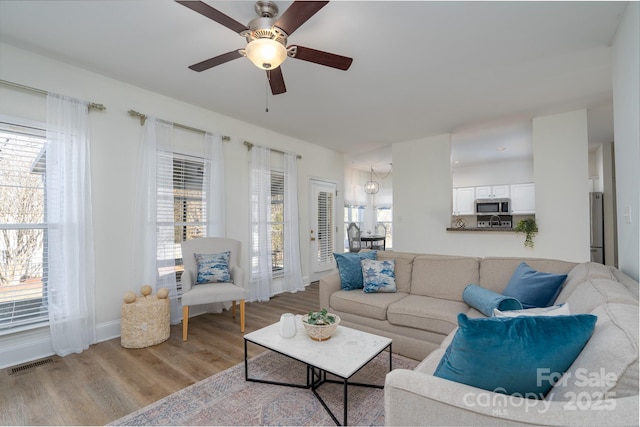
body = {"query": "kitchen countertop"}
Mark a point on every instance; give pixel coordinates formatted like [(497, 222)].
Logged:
[(481, 229)]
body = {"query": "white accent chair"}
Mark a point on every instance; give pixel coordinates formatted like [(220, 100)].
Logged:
[(207, 293)]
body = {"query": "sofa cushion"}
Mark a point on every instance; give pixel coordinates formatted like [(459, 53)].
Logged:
[(534, 288), (495, 272), (554, 310), (356, 302), (486, 301), (594, 292), (430, 363), (431, 314), (627, 282), (403, 268), (350, 268), (608, 365), (580, 274), (504, 354), (443, 276)]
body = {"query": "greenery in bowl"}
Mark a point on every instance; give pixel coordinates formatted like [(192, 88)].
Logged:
[(320, 318), (530, 228)]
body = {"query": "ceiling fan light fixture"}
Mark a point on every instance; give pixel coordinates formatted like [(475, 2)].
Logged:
[(266, 54)]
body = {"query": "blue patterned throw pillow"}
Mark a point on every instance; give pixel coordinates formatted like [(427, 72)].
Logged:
[(379, 275), (213, 267)]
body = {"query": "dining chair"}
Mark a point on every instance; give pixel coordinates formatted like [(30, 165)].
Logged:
[(381, 230), (353, 233)]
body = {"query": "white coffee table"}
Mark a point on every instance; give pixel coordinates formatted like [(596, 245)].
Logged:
[(344, 354)]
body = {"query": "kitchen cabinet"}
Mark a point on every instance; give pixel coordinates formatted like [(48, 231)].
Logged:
[(464, 201), (492, 192), (523, 199)]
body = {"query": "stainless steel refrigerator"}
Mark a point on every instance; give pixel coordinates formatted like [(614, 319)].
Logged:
[(597, 227)]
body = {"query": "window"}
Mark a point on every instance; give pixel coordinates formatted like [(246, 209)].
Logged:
[(385, 216), (184, 197), (188, 201), (352, 213), (277, 223), (23, 230)]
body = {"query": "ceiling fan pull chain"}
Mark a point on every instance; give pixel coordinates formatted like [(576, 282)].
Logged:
[(266, 91)]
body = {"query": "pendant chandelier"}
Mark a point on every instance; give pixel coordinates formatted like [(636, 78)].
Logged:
[(371, 187)]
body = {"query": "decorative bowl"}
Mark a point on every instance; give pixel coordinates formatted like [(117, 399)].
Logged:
[(320, 332)]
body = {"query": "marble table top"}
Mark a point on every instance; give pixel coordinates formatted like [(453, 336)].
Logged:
[(343, 354)]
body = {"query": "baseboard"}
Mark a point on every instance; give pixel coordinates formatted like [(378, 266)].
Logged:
[(108, 330), (25, 346)]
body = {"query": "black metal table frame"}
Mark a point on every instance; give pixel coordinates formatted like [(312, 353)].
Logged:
[(316, 377)]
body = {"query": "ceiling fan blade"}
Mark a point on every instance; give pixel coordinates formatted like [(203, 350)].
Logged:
[(323, 58), (204, 9), (297, 14), (276, 81), (212, 62)]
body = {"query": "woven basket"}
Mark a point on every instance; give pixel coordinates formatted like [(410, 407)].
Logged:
[(145, 322), (320, 332)]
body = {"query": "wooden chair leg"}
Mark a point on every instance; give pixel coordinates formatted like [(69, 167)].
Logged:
[(185, 322), (241, 315), (233, 309)]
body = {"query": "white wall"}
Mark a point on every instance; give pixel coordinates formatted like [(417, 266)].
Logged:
[(610, 217), (517, 171), (422, 197), (115, 140), (421, 194), (626, 108), (561, 169)]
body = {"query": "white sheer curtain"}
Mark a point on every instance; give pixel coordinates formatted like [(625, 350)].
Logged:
[(71, 272), (155, 244), (292, 267), (260, 233), (213, 185), (214, 197)]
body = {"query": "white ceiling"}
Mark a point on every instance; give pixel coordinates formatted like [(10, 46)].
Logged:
[(479, 70)]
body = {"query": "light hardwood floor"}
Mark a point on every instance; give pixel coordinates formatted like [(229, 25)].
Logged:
[(107, 381)]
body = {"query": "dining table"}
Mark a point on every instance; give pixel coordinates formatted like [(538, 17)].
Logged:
[(373, 241)]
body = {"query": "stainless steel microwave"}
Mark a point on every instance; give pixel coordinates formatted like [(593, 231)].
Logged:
[(493, 206)]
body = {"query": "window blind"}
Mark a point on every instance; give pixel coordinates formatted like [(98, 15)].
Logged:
[(23, 230), (325, 227), (181, 209), (277, 221)]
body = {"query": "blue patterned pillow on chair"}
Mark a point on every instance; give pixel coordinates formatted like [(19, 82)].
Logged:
[(379, 275), (213, 267)]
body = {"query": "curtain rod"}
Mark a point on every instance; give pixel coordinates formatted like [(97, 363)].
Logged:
[(91, 105), (143, 118), (250, 146)]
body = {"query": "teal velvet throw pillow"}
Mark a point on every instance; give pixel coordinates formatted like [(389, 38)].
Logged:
[(515, 355), (350, 268), (534, 288)]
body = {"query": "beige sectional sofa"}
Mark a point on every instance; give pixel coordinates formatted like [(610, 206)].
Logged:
[(421, 318)]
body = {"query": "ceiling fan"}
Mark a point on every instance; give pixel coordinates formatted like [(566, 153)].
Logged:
[(267, 39)]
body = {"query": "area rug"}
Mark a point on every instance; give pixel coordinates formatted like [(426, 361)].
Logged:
[(227, 399)]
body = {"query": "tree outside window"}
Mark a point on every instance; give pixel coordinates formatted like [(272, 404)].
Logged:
[(23, 257)]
